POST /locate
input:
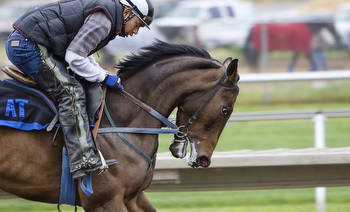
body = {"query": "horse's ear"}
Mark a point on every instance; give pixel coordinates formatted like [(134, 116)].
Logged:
[(227, 62), (231, 71)]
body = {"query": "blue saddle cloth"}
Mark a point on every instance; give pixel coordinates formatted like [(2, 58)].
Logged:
[(24, 108)]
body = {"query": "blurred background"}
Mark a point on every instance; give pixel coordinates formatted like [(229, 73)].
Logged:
[(268, 37)]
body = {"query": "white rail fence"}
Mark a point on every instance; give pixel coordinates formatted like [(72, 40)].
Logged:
[(295, 76)]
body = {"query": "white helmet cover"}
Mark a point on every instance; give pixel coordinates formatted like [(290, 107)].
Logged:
[(143, 9)]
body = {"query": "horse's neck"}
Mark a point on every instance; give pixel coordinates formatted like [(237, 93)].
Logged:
[(162, 91)]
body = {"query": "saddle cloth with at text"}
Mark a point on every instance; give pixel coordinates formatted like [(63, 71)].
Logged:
[(24, 108)]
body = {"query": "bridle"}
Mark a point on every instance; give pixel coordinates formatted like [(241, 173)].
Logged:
[(182, 134)]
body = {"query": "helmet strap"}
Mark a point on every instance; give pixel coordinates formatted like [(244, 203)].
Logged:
[(128, 18), (122, 33)]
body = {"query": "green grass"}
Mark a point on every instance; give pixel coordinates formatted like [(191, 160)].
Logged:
[(265, 208), (21, 205), (293, 200), (288, 198)]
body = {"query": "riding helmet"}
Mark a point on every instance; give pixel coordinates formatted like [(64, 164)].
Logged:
[(143, 9)]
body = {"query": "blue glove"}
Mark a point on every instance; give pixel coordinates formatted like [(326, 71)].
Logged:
[(113, 81)]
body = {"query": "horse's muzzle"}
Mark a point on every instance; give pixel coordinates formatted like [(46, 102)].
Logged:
[(202, 161)]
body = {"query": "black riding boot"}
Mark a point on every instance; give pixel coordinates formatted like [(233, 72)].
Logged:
[(54, 78)]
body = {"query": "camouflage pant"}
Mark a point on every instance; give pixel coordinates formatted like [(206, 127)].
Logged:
[(54, 78)]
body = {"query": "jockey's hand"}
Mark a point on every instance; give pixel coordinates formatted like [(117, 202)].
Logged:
[(113, 81)]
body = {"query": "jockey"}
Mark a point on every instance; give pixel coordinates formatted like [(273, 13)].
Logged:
[(48, 39)]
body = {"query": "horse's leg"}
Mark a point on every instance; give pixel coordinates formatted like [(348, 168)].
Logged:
[(121, 183), (140, 204), (100, 204), (293, 62), (144, 203), (313, 61), (321, 58)]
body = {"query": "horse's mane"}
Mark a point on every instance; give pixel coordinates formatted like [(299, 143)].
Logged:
[(156, 52)]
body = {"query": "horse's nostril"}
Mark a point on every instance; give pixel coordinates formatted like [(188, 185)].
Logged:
[(203, 161)]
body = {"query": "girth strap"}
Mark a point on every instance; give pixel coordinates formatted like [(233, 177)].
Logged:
[(132, 146)]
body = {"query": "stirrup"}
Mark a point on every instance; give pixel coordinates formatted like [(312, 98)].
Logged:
[(105, 163)]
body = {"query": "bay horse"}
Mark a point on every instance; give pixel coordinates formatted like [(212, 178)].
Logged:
[(163, 76), (295, 37)]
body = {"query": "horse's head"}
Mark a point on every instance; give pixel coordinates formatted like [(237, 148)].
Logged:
[(182, 76), (203, 115)]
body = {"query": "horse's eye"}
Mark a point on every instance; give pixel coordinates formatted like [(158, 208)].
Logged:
[(225, 111)]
